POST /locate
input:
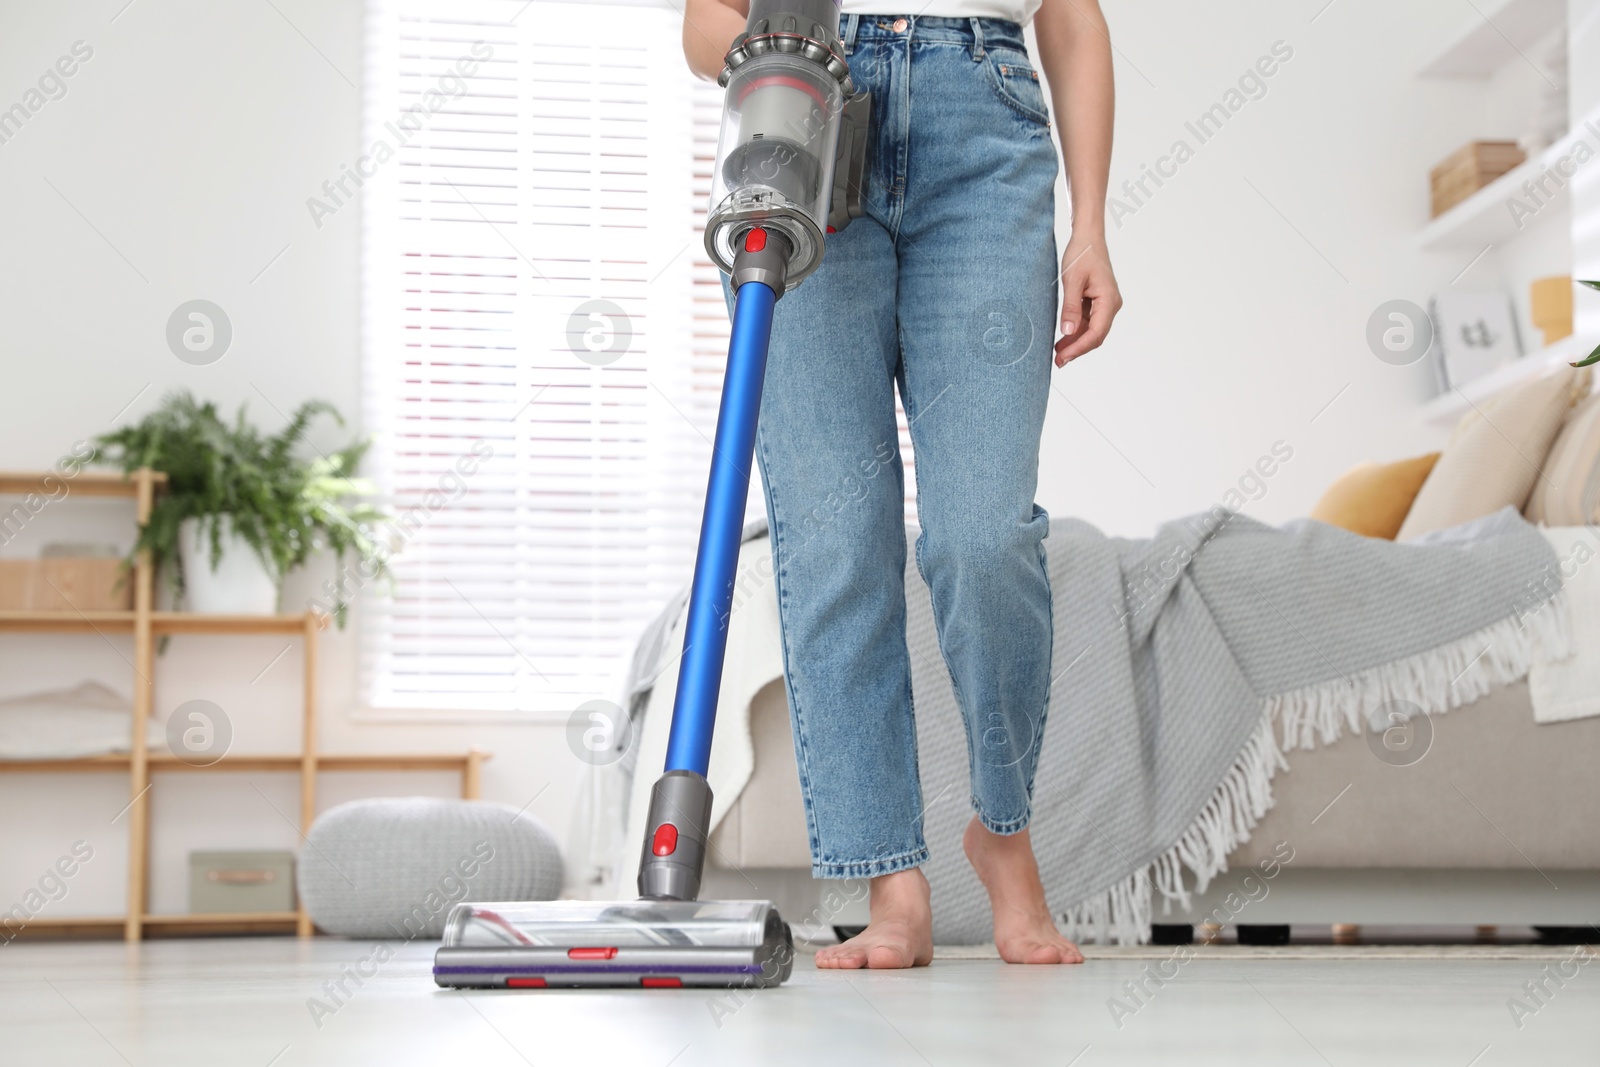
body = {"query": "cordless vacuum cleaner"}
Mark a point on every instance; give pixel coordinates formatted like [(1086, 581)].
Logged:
[(789, 170)]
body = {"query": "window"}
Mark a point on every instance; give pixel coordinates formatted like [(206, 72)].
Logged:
[(544, 342)]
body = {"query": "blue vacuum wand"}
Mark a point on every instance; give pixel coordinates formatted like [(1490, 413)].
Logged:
[(667, 938), (711, 595), (789, 170), (680, 803), (790, 165)]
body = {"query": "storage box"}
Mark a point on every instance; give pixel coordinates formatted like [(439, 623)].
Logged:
[(241, 882), (1551, 306), (1469, 169), (64, 584)]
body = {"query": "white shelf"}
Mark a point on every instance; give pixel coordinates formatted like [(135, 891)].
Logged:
[(1449, 406), (1484, 218), (1494, 37)]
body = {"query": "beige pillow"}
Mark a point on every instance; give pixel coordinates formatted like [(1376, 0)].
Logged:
[(1568, 492), (1373, 498), (1495, 456)]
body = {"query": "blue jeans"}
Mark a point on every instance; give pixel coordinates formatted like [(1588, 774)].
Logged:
[(946, 288)]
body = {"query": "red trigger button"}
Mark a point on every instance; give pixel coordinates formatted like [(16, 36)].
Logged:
[(754, 241), (666, 838)]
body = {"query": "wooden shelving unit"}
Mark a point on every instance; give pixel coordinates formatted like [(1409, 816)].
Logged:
[(161, 622), (139, 764), (468, 764)]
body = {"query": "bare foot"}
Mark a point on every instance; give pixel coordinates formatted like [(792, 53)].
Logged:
[(1023, 929), (900, 933)]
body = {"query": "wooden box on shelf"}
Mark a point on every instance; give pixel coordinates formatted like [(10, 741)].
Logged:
[(1469, 169), (64, 584)]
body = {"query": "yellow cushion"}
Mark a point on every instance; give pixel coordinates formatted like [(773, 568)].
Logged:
[(1373, 498)]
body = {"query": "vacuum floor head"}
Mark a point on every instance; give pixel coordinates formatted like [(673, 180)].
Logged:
[(649, 943)]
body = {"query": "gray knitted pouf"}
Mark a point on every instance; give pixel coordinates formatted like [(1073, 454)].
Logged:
[(394, 867)]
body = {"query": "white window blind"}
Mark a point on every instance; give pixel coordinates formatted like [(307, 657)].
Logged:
[(522, 161)]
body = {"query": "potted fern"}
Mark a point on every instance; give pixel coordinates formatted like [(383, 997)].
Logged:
[(242, 508)]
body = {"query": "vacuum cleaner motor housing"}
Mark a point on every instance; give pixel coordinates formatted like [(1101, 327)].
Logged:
[(787, 89)]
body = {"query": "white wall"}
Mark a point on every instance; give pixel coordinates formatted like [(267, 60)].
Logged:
[(178, 164), (1250, 275), (1246, 307)]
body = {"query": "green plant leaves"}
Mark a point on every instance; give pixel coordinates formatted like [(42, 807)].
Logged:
[(1593, 357), (283, 506)]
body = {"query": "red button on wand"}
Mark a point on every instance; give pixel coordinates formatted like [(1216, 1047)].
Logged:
[(755, 240), (666, 838)]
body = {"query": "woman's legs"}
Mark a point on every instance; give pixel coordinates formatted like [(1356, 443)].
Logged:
[(829, 454), (948, 285), (977, 306)]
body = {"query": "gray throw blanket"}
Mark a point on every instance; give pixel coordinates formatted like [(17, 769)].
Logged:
[(1175, 660)]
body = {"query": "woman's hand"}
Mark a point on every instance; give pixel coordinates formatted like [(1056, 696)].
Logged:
[(1089, 298), (709, 27), (1075, 51)]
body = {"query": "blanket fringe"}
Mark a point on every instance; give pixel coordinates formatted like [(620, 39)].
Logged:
[(1430, 682)]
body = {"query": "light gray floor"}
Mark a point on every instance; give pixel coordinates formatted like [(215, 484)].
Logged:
[(244, 1003)]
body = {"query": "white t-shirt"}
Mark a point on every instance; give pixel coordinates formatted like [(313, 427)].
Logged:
[(1019, 11)]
